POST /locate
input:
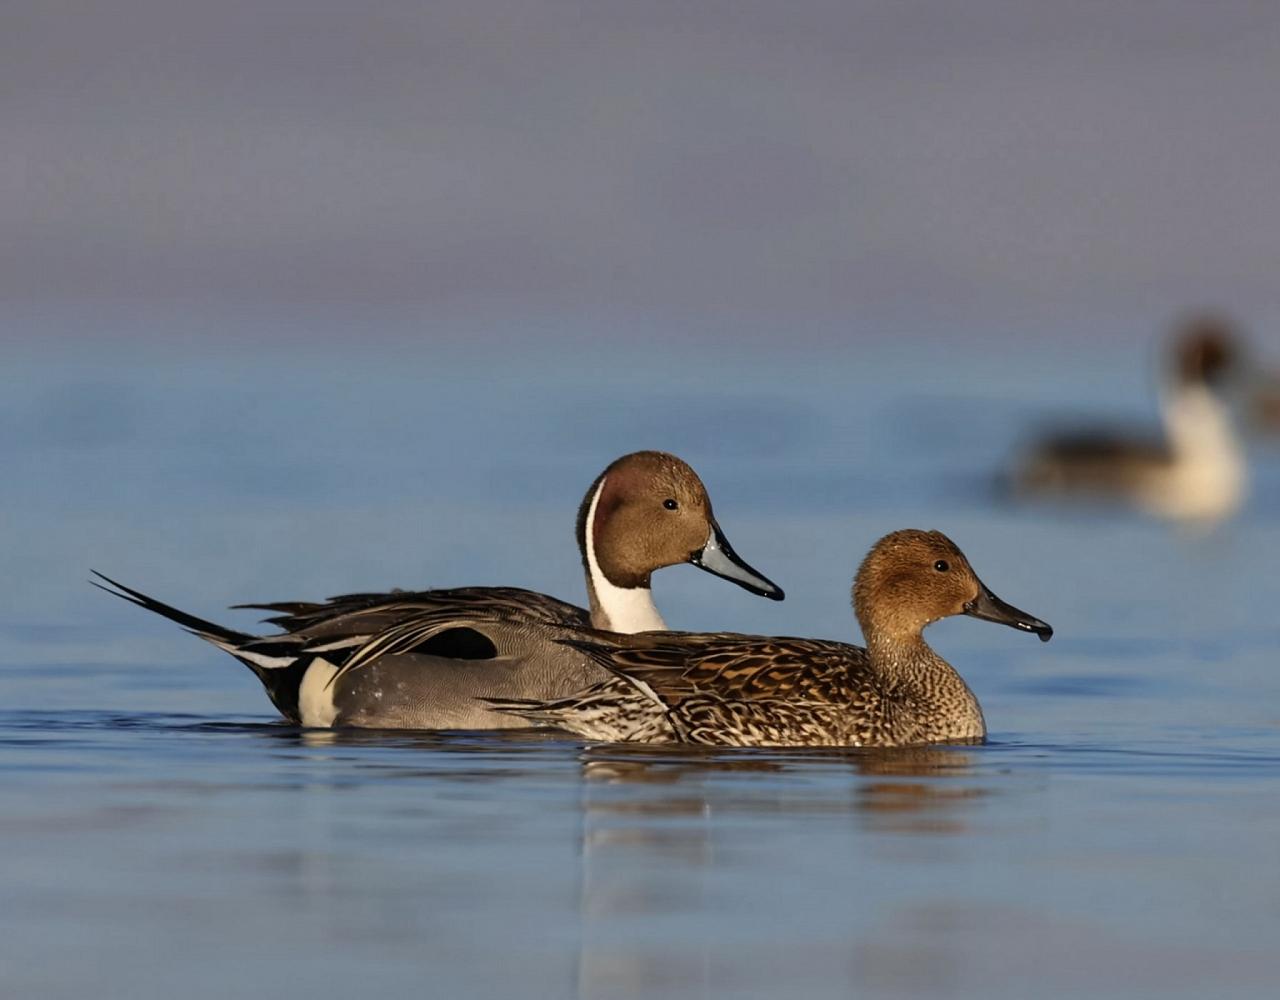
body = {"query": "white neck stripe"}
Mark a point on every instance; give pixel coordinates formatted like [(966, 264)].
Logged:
[(629, 609)]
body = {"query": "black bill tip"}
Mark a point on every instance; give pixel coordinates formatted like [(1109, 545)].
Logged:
[(988, 607)]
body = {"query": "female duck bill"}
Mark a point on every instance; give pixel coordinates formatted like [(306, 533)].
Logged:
[(990, 608), (718, 558)]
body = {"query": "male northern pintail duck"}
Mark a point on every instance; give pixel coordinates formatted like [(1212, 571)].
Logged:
[(1196, 473), (746, 690), (423, 660)]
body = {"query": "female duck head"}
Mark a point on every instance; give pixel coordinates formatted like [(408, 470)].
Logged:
[(911, 579)]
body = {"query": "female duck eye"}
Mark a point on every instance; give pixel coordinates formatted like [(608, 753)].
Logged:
[(941, 566), (670, 504)]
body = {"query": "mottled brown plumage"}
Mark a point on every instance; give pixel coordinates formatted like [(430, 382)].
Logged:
[(741, 690)]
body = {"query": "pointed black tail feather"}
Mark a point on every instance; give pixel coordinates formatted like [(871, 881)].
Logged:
[(199, 626), (282, 683)]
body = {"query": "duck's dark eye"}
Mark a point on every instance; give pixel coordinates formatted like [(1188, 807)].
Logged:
[(670, 504), (942, 565)]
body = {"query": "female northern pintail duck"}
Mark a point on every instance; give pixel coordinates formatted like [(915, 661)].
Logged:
[(745, 690), (1197, 473), (422, 660)]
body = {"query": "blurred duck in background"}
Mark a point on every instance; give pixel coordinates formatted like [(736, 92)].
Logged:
[(1264, 404), (1196, 473)]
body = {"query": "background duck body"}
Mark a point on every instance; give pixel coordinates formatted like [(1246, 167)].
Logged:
[(1195, 472)]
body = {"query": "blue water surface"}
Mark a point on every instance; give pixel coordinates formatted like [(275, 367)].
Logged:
[(162, 834)]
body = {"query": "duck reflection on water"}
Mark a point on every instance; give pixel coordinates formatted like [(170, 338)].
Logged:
[(886, 792), (663, 836)]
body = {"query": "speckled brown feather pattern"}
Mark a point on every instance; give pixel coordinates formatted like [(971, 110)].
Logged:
[(726, 689)]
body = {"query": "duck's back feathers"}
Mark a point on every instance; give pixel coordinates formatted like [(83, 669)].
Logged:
[(1104, 444), (1102, 462), (417, 636), (374, 612), (678, 665), (722, 689)]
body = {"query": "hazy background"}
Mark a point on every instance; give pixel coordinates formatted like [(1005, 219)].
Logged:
[(301, 298), (789, 171)]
